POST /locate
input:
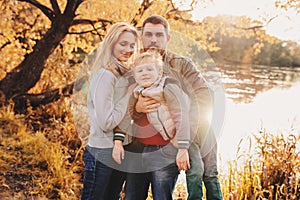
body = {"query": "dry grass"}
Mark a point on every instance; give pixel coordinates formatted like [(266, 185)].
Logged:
[(268, 169), (41, 158), (37, 164)]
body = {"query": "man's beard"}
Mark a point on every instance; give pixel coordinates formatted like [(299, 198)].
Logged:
[(161, 51)]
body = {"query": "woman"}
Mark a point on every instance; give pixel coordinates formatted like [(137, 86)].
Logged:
[(107, 104)]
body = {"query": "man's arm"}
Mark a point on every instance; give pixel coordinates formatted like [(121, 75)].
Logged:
[(143, 105), (177, 103), (194, 84)]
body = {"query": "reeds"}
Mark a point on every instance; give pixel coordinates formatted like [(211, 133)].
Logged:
[(268, 169), (41, 158), (38, 164)]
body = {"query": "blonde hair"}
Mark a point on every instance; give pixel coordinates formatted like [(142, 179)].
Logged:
[(152, 54), (104, 56)]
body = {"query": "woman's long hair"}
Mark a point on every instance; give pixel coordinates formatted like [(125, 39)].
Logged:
[(104, 55)]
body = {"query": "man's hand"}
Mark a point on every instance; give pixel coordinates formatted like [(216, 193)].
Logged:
[(146, 104), (118, 151), (182, 159)]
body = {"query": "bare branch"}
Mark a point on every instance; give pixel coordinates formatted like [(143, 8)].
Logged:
[(247, 28), (55, 7), (47, 11), (6, 43), (138, 15), (87, 31), (271, 19), (36, 100), (104, 23), (176, 14), (175, 8), (72, 6), (88, 21), (254, 28)]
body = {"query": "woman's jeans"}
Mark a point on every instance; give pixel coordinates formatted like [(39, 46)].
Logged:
[(98, 180)]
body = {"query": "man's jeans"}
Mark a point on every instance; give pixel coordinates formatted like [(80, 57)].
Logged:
[(195, 174), (208, 153), (98, 181), (161, 171), (209, 156)]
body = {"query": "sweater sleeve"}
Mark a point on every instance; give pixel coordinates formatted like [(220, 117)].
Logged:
[(108, 112), (177, 102), (195, 85)]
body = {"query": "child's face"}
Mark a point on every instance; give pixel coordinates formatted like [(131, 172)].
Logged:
[(146, 72)]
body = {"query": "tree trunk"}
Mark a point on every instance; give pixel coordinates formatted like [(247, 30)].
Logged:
[(28, 73)]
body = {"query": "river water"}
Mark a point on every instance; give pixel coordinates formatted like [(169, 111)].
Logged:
[(257, 97)]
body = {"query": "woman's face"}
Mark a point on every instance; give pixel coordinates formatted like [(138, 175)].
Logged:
[(124, 47)]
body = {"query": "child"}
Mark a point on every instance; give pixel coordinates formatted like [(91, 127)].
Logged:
[(162, 136), (171, 118)]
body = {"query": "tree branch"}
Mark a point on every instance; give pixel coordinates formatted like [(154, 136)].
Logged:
[(85, 32), (104, 23), (174, 8), (247, 28), (23, 77), (36, 100), (176, 14), (88, 21), (6, 43), (72, 6), (47, 11), (138, 15), (254, 28), (55, 7)]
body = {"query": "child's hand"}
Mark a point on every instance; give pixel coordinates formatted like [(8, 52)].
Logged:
[(118, 151), (182, 159)]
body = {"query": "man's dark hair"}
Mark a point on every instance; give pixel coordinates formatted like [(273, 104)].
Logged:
[(157, 19)]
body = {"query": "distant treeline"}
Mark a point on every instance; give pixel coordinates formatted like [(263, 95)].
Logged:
[(245, 50)]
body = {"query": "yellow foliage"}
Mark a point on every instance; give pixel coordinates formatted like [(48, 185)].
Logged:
[(41, 152), (33, 163)]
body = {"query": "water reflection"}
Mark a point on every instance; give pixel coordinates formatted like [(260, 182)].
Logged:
[(258, 97), (243, 82)]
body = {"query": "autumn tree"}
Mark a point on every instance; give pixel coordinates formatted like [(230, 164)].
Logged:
[(42, 42)]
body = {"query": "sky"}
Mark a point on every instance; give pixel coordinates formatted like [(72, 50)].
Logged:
[(285, 26)]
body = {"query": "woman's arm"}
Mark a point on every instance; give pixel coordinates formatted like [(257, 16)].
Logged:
[(108, 112)]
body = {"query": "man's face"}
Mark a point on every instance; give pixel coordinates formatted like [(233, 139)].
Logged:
[(154, 36)]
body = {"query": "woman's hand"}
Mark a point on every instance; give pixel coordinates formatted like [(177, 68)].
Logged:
[(146, 104), (182, 159), (118, 151)]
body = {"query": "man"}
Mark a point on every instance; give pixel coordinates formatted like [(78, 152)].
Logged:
[(155, 35)]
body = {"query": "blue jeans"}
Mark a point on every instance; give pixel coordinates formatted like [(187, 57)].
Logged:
[(210, 177), (194, 176), (162, 172), (98, 180), (208, 153)]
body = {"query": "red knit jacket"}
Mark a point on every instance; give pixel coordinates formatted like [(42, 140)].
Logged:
[(144, 129)]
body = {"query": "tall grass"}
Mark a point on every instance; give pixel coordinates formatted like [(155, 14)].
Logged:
[(38, 162), (268, 169), (41, 158)]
